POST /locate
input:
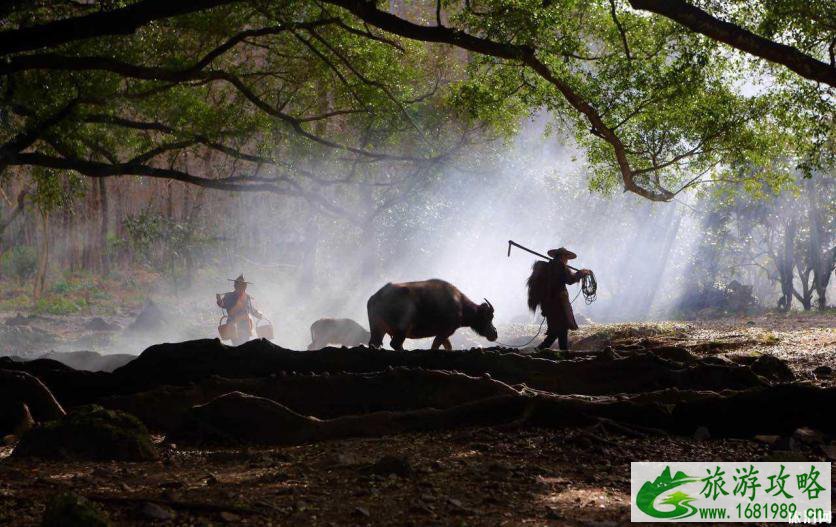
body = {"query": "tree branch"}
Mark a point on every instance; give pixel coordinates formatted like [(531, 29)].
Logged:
[(54, 60), (369, 13), (620, 30), (368, 34), (737, 37), (24, 139), (98, 169), (58, 62), (123, 21)]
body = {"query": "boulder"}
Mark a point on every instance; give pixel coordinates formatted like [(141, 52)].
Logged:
[(89, 433), (100, 324), (151, 318)]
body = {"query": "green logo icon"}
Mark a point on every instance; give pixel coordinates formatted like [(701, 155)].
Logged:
[(681, 502)]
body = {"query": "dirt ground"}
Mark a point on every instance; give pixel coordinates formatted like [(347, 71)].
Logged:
[(805, 341), (466, 477), (469, 477)]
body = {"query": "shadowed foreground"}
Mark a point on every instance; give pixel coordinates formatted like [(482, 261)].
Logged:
[(259, 434)]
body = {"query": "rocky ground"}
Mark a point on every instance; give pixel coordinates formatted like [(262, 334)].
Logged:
[(480, 476)]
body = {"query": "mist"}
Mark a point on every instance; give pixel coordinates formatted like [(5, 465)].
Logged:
[(306, 261), (532, 189)]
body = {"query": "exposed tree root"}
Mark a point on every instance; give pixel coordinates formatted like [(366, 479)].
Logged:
[(321, 395), (641, 371), (238, 417), (262, 399), (606, 372), (19, 388), (71, 387)]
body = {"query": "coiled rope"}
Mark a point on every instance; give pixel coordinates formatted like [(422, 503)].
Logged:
[(589, 288)]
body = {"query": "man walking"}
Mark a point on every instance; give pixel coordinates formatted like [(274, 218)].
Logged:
[(547, 288)]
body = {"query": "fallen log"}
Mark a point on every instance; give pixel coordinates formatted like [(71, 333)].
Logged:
[(185, 362), (241, 418)]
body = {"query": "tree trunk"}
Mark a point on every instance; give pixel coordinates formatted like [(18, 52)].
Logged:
[(785, 262), (88, 237), (806, 296), (43, 258), (103, 227), (19, 207), (821, 261), (121, 213)]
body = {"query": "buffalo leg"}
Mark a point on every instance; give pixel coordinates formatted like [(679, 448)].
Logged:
[(397, 342), (377, 332), (442, 341), (447, 345), (376, 340)]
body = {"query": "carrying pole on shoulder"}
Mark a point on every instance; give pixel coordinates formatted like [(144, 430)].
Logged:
[(535, 253), (589, 286), (515, 244)]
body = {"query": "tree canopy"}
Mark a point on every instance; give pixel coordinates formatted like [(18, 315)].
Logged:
[(297, 93)]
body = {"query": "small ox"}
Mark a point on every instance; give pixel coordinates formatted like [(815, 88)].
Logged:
[(337, 331)]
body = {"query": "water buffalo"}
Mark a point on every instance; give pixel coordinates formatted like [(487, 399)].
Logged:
[(432, 308), (339, 331)]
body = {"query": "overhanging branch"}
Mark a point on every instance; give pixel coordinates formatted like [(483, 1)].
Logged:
[(369, 13), (123, 21), (740, 38), (99, 170), (67, 63)]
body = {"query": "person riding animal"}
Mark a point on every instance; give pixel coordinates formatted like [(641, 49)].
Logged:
[(239, 306), (547, 289)]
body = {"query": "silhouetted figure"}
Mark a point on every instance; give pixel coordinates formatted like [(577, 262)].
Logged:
[(547, 288), (239, 306)]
